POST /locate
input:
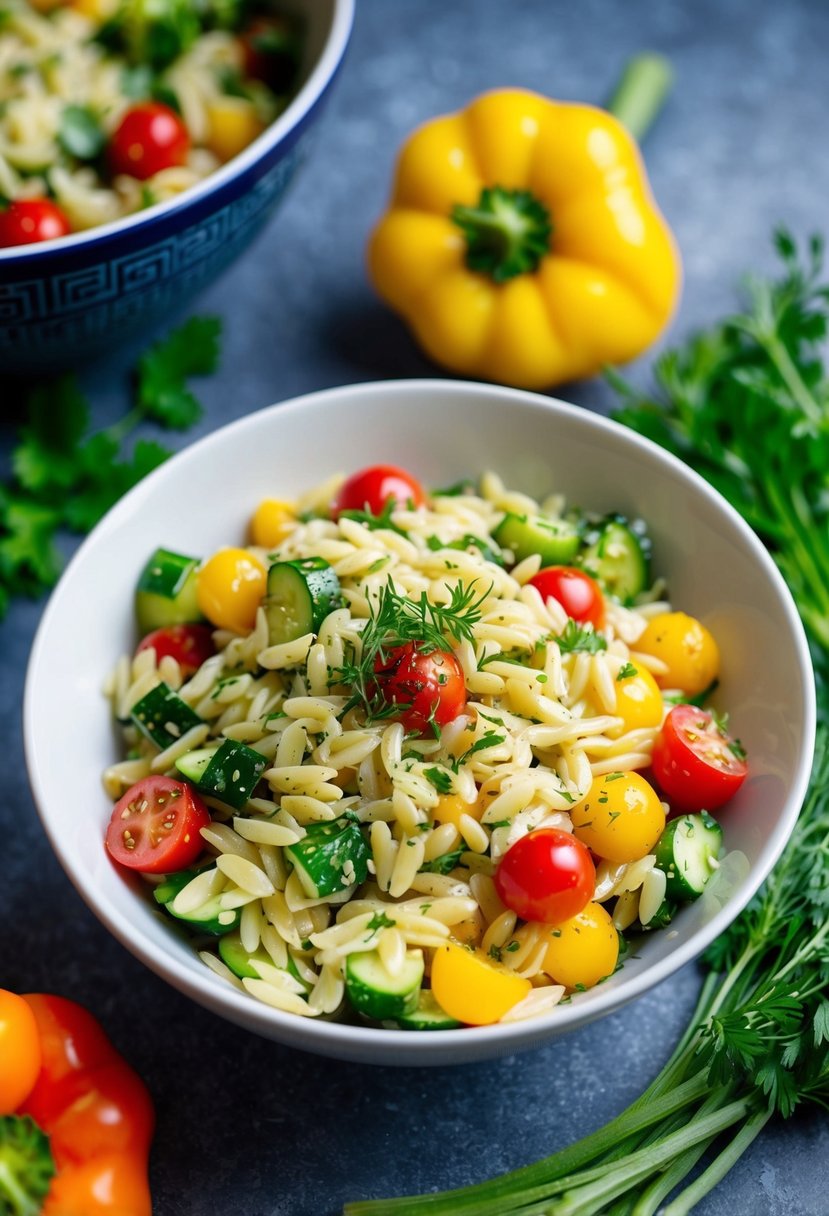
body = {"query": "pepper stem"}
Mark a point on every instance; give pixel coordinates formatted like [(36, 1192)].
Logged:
[(507, 233), (641, 92)]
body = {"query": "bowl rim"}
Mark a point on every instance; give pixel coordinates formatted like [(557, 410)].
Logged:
[(322, 73), (355, 1041)]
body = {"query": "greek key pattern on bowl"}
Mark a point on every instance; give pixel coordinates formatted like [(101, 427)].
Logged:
[(85, 301)]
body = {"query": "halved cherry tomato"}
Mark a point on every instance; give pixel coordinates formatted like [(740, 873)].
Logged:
[(189, 645), (20, 1054), (696, 763), (429, 688), (32, 219), (370, 490), (155, 827), (150, 137), (547, 875), (579, 595)]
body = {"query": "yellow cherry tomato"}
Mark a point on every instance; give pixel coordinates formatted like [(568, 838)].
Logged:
[(231, 586), (472, 988), (582, 950), (687, 649), (272, 521), (19, 1051), (621, 818), (232, 124), (638, 700)]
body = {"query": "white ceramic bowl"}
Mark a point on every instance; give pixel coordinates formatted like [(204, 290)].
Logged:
[(440, 430)]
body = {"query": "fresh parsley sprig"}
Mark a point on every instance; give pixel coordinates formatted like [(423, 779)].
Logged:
[(64, 477)]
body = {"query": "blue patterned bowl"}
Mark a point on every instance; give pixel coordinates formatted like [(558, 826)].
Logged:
[(67, 300)]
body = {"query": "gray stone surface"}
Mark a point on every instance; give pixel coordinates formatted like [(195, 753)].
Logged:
[(245, 1127)]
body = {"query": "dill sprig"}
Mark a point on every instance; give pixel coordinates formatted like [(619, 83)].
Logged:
[(394, 621)]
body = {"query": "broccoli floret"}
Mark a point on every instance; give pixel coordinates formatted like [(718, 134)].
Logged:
[(27, 1166)]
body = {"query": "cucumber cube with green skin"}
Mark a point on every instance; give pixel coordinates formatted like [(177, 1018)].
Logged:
[(619, 557), (234, 955), (300, 596), (554, 540), (687, 851), (163, 717), (167, 591), (210, 918), (426, 1015), (229, 772), (330, 857), (375, 992)]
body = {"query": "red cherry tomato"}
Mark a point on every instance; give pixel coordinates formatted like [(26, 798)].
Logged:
[(547, 875), (31, 219), (150, 137), (189, 645), (371, 489), (429, 688), (579, 595), (696, 764), (155, 828)]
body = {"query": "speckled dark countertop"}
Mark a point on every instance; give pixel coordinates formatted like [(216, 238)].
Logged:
[(247, 1128)]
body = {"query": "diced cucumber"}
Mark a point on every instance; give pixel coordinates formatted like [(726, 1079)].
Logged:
[(167, 591), (210, 917), (555, 540), (163, 717), (687, 851), (229, 772), (234, 955), (618, 555), (375, 993), (300, 596), (426, 1015), (331, 856)]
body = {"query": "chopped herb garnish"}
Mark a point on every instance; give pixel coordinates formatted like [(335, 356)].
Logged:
[(577, 637), (490, 739), (626, 671), (440, 778)]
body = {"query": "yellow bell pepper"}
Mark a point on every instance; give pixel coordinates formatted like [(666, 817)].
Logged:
[(523, 244)]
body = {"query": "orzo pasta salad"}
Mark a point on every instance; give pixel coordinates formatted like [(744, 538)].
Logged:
[(421, 758), (109, 106)]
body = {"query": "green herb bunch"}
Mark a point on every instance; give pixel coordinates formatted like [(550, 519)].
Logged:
[(746, 403), (64, 478)]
